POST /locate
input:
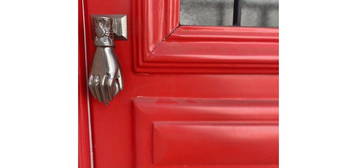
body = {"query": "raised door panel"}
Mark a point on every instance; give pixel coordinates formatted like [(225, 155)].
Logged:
[(205, 133), (215, 143)]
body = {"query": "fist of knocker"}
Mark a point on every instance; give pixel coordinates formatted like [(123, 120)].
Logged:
[(105, 79)]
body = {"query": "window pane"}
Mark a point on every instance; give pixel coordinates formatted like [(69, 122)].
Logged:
[(207, 12), (257, 13)]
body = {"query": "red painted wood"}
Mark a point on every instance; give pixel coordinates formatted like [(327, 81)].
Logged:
[(215, 143), (83, 129), (229, 34), (191, 132), (160, 44), (150, 70)]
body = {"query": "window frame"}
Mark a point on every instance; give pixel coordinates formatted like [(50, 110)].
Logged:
[(162, 45)]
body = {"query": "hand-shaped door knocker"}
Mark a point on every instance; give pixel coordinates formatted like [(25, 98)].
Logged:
[(105, 79)]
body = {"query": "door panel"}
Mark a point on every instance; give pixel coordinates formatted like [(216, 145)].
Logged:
[(191, 132), (215, 143), (222, 79)]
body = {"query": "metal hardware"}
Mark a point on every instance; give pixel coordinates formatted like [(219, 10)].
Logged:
[(105, 80)]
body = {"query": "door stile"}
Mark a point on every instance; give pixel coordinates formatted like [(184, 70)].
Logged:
[(85, 139)]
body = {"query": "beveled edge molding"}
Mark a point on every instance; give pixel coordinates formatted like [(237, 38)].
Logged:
[(157, 30)]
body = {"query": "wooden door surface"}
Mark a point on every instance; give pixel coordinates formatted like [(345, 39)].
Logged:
[(193, 97)]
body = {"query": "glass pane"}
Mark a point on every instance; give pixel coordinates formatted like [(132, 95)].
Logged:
[(256, 13), (259, 13), (207, 12)]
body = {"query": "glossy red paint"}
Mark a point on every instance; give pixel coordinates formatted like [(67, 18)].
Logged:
[(221, 143), (84, 160), (214, 75), (160, 44), (201, 133)]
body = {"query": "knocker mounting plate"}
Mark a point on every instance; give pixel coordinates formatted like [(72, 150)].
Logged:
[(119, 25)]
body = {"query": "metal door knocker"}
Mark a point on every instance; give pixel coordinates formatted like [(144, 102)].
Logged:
[(105, 79)]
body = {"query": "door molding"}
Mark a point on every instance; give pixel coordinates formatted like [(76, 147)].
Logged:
[(85, 141), (161, 45), (168, 128)]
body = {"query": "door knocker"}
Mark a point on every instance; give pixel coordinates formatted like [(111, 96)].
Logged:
[(105, 79)]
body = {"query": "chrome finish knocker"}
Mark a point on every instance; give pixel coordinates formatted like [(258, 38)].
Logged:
[(105, 80)]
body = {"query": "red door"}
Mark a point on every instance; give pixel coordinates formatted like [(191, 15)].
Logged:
[(193, 96)]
